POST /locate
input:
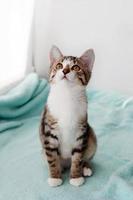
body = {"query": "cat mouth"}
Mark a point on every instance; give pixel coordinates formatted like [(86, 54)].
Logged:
[(64, 78)]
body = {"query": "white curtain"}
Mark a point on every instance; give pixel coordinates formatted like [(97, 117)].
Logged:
[(16, 21)]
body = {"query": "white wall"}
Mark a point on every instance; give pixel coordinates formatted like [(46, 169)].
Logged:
[(75, 25), (16, 18)]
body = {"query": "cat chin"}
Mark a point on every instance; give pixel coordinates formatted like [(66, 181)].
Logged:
[(64, 79), (67, 82)]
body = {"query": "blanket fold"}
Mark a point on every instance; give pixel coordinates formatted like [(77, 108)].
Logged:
[(25, 99), (23, 172)]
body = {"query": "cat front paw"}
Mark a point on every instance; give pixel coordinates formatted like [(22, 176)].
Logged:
[(54, 182), (87, 171), (77, 181)]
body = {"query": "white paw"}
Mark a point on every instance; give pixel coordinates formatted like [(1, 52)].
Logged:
[(54, 182), (87, 171), (77, 181)]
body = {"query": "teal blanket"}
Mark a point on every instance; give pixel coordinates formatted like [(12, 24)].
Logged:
[(23, 173)]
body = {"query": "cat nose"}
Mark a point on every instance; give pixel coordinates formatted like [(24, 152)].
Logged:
[(66, 71)]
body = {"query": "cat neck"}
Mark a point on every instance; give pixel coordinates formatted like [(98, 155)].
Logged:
[(65, 100), (67, 86)]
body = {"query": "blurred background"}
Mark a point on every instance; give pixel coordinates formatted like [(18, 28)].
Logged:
[(29, 28)]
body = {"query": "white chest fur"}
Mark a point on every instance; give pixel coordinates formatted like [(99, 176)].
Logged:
[(67, 103)]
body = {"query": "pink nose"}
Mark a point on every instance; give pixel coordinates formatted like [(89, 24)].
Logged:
[(66, 70)]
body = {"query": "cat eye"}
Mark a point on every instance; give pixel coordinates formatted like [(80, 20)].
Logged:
[(59, 66), (76, 68)]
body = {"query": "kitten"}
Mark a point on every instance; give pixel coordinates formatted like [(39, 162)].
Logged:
[(66, 137)]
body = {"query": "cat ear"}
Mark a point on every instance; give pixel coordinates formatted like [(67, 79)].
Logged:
[(88, 58), (55, 54)]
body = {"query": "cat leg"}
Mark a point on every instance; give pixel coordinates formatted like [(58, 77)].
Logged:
[(48, 135), (92, 145), (89, 152), (51, 146), (86, 145), (76, 177), (54, 168)]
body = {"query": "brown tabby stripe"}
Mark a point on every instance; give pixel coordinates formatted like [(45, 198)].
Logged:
[(53, 76), (76, 150), (51, 161), (50, 127), (53, 165), (48, 154), (52, 149), (49, 134), (42, 124), (83, 136), (53, 123), (46, 142), (69, 58)]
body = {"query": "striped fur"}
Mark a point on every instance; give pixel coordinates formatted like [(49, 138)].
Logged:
[(83, 75), (67, 138)]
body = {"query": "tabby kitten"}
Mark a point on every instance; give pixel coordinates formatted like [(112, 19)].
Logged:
[(67, 138)]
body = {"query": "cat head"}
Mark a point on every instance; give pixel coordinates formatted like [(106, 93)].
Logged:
[(76, 70)]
